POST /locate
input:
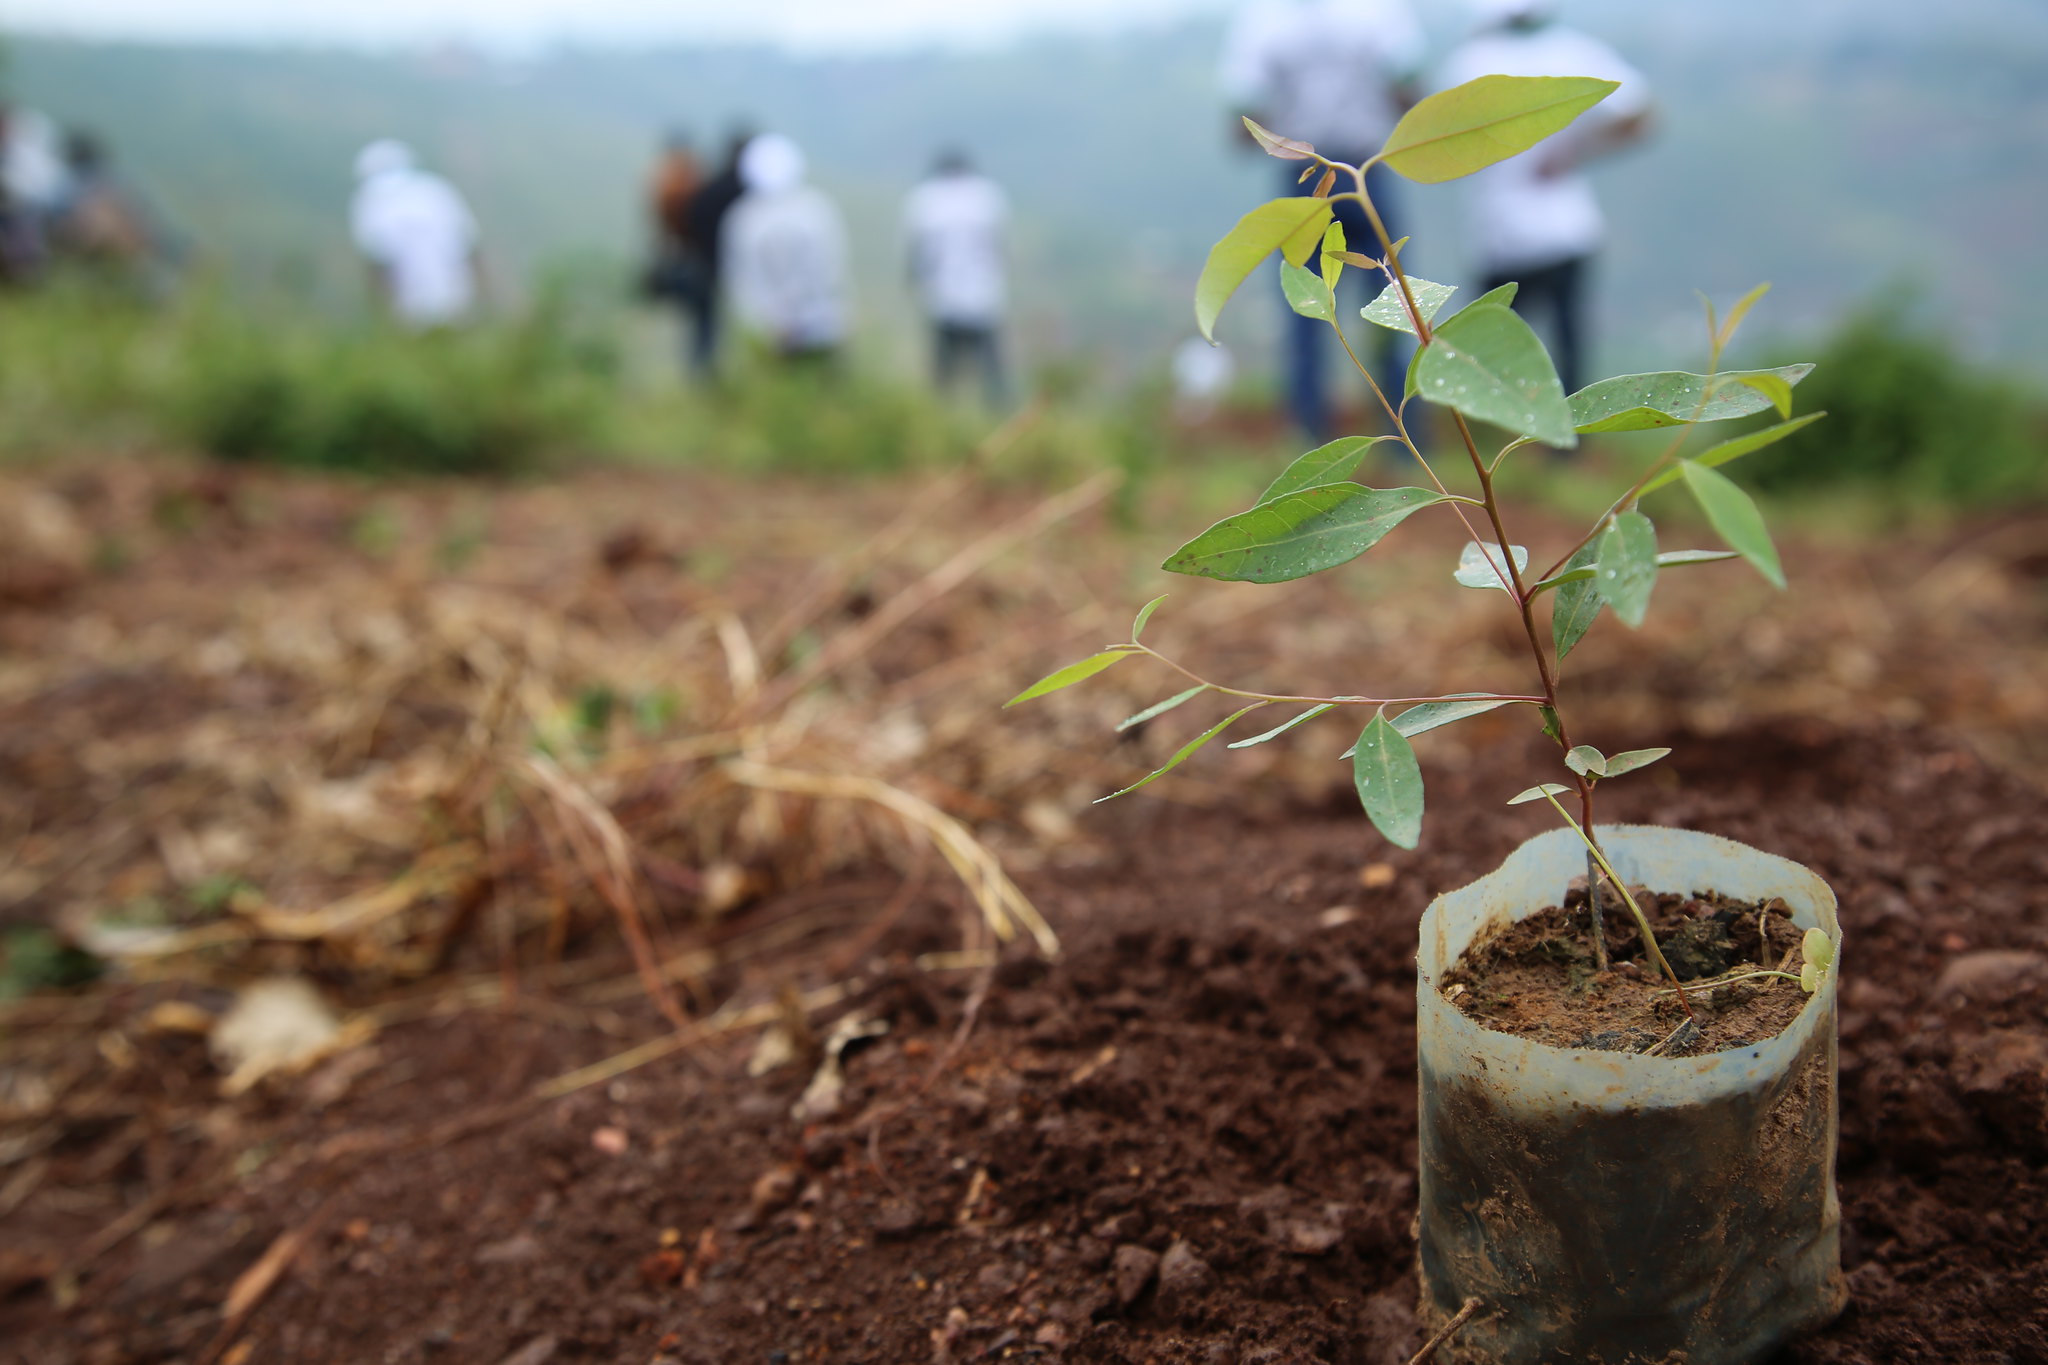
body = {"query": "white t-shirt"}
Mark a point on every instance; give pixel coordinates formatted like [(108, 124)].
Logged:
[(1323, 71), (1521, 219), (416, 226), (785, 258), (954, 227), (32, 160)]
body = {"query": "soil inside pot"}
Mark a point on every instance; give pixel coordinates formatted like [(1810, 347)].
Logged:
[(1536, 978)]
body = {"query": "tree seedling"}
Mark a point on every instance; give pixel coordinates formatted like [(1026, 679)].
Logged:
[(1484, 365)]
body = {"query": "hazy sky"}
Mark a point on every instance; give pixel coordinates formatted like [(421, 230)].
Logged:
[(524, 23)]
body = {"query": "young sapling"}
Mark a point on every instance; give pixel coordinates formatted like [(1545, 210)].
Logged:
[(1483, 365)]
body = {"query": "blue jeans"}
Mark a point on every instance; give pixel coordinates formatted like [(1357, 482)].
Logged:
[(1309, 345)]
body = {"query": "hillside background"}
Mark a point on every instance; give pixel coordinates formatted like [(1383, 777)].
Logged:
[(1847, 151)]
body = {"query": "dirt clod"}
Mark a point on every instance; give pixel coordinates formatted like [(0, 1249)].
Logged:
[(1133, 1268)]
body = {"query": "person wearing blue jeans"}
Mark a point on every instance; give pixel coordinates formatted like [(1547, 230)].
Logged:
[(1310, 349), (1335, 74)]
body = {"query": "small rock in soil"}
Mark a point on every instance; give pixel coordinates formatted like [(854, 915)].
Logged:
[(536, 1352), (1134, 1268), (1182, 1277), (1309, 1236), (774, 1191), (1989, 970), (1110, 1198), (999, 1278), (897, 1218), (512, 1251)]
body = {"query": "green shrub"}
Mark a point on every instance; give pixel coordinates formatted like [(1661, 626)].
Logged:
[(1905, 414), (487, 401)]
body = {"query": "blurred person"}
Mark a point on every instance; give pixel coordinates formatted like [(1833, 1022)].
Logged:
[(104, 222), (418, 235), (953, 225), (680, 273), (785, 254), (704, 224), (1336, 74), (33, 182), (1534, 218), (1202, 375)]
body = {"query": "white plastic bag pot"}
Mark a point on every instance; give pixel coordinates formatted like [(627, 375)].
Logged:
[(1609, 1207)]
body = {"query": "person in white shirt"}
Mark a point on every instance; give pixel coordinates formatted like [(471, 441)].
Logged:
[(953, 227), (1336, 74), (785, 254), (417, 234), (1534, 218), (33, 185)]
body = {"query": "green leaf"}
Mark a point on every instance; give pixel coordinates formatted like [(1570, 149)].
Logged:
[(1144, 615), (1625, 566), (1670, 398), (1817, 948), (1389, 782), (1633, 759), (1298, 534), (1586, 761), (1284, 726), (1332, 463), (1471, 126), (1552, 726), (1486, 363), (1412, 385), (1578, 602), (1734, 517), (1665, 559), (1306, 293), (1481, 566), (1735, 448), (1389, 311), (1285, 148), (1181, 755), (1504, 295), (1774, 388), (1537, 793), (1071, 674), (1290, 226), (1161, 708), (1429, 715), (1809, 978), (1333, 254), (1725, 333)]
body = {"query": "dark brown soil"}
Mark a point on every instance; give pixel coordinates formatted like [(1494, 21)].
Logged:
[(1538, 977), (1191, 1140)]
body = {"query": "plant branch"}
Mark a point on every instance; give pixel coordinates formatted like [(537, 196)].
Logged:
[(1195, 677)]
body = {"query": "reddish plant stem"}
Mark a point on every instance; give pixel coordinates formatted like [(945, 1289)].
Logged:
[(1524, 599)]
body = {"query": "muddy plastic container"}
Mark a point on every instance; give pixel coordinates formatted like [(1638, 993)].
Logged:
[(1609, 1207)]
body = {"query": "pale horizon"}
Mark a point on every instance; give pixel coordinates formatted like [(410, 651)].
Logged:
[(531, 26)]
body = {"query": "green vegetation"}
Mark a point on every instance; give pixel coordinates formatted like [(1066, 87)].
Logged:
[(1911, 422), (255, 377), (83, 368)]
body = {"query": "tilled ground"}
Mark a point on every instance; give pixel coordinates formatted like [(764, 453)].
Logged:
[(1190, 1139)]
